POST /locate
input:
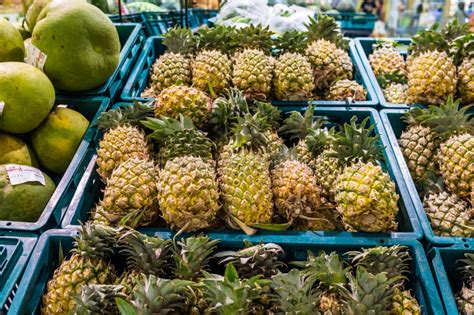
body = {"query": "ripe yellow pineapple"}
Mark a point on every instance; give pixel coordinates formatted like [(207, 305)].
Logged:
[(174, 66), (396, 93), (462, 49), (346, 89), (386, 59)]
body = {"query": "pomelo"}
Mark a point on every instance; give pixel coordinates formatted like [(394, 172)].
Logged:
[(11, 42), (27, 94), (15, 151), (56, 141), (23, 202), (81, 44)]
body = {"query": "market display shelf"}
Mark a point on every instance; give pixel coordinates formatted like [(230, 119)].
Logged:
[(131, 41), (15, 250), (139, 78), (394, 126), (364, 48), (89, 190), (447, 273), (66, 184), (45, 259)]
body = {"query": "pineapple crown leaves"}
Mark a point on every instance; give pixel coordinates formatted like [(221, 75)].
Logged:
[(329, 270), (192, 255), (428, 40), (98, 298), (145, 254), (297, 126), (414, 116), (218, 38), (295, 293), (325, 27), (255, 37), (125, 115), (231, 295), (394, 260), (468, 268), (269, 114), (462, 48), (263, 259), (385, 42), (96, 241), (319, 139), (292, 41), (454, 29), (385, 79), (364, 284), (248, 132), (356, 142), (180, 40)]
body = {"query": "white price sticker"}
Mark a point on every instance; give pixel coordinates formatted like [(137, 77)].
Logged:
[(20, 174), (34, 56), (2, 106), (61, 106)]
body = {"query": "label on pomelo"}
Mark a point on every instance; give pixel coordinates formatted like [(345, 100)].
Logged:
[(34, 56), (20, 174), (62, 106), (2, 106)]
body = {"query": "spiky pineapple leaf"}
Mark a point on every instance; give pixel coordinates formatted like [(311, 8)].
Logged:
[(219, 37), (125, 114), (385, 79), (325, 27), (297, 126), (180, 40), (255, 37), (292, 41)]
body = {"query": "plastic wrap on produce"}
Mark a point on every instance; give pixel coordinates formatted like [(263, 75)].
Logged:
[(284, 18)]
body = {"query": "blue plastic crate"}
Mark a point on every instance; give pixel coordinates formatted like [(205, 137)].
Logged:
[(45, 260), (131, 18), (158, 23), (131, 41), (15, 250), (90, 187), (355, 24), (391, 119), (66, 184), (364, 48), (154, 47), (446, 272)]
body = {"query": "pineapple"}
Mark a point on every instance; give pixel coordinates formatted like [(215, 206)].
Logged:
[(174, 66), (432, 74), (253, 65), (212, 67), (185, 100), (253, 260), (365, 196), (326, 52), (463, 51), (98, 299), (449, 215), (386, 59), (396, 93), (122, 140), (293, 79), (346, 89), (403, 303), (130, 196), (327, 171), (188, 193), (465, 298), (87, 265)]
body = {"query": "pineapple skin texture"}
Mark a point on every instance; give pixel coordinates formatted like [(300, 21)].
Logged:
[(403, 303), (366, 198), (119, 145), (447, 213), (188, 193), (293, 79), (344, 89), (419, 147), (68, 280), (432, 78), (132, 187), (396, 93), (465, 301), (456, 162), (466, 80), (327, 170), (211, 67), (168, 70), (295, 191), (246, 186), (184, 100), (253, 73), (387, 60)]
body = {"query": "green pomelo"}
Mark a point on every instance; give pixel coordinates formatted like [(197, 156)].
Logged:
[(81, 44), (23, 202), (28, 96), (11, 42), (56, 141), (15, 151)]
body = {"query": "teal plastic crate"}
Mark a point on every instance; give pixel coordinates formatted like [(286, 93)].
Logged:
[(446, 272), (391, 119), (66, 184), (131, 18), (364, 48), (131, 40), (355, 24), (154, 47), (15, 250), (90, 188), (45, 260), (152, 23)]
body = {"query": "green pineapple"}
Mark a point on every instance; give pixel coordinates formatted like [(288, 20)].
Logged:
[(97, 299)]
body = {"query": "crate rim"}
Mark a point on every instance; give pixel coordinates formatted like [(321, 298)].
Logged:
[(357, 62)]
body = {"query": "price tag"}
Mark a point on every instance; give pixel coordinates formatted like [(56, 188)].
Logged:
[(20, 174), (61, 106), (2, 106), (34, 56)]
